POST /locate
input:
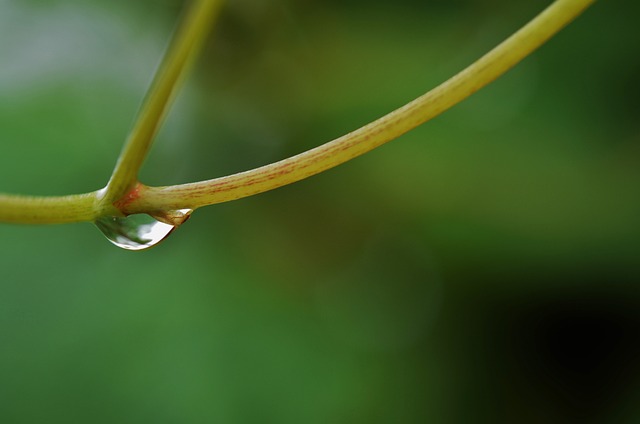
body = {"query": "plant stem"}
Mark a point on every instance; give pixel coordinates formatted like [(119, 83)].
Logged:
[(179, 56), (49, 210), (479, 74), (129, 196)]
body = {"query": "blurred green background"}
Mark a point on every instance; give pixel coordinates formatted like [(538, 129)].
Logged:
[(482, 268)]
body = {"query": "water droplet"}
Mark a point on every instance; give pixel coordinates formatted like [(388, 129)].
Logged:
[(141, 231)]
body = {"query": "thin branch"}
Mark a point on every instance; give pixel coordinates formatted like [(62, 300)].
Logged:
[(49, 210), (179, 56), (479, 74), (137, 198)]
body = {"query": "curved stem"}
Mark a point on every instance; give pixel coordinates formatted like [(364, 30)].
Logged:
[(133, 197), (479, 74), (189, 37)]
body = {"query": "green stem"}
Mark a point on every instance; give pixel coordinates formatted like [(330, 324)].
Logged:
[(49, 210), (479, 74), (132, 197), (179, 56)]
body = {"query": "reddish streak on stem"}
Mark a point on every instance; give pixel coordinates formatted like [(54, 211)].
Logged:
[(129, 197)]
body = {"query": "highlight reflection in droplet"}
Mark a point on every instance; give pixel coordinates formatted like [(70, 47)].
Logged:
[(139, 231)]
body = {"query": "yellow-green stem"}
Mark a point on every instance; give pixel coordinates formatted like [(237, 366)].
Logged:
[(131, 197), (49, 210), (479, 74), (164, 87)]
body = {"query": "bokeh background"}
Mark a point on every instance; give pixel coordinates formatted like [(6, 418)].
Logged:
[(482, 268)]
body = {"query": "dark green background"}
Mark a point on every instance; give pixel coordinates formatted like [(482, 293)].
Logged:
[(482, 268)]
